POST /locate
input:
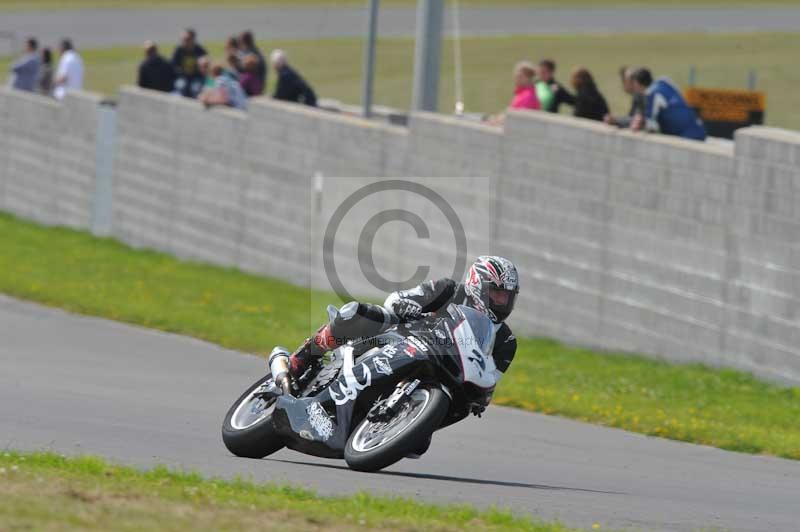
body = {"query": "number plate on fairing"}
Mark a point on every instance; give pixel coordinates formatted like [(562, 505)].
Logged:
[(479, 369)]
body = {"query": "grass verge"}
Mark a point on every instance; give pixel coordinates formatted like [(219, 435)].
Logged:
[(72, 270), (44, 491), (721, 60)]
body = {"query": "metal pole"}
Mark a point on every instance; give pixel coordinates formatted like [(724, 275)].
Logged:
[(692, 75), (459, 79), (427, 55), (751, 79), (105, 149), (369, 59)]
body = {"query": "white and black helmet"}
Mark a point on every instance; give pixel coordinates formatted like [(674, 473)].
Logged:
[(491, 286)]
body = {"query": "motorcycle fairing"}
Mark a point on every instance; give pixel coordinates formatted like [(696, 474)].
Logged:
[(305, 423), (478, 368), (291, 420)]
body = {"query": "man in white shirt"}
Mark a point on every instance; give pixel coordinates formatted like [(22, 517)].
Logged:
[(69, 74)]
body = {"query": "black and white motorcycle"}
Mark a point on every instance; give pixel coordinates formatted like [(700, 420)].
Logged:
[(374, 401)]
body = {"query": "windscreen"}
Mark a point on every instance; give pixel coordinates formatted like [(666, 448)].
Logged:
[(482, 328)]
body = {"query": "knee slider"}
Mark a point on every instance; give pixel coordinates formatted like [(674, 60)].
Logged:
[(348, 310), (355, 320)]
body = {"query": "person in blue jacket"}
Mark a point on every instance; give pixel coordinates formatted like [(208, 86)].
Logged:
[(665, 109)]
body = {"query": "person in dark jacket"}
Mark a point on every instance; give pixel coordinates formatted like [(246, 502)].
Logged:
[(589, 103), (26, 69), (546, 73), (184, 60), (247, 46), (291, 87), (155, 72), (44, 83)]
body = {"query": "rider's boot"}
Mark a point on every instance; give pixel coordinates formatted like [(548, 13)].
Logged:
[(312, 349)]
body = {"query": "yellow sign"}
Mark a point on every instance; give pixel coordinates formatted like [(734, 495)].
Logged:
[(725, 105)]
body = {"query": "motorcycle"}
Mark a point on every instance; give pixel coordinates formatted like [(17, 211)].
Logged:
[(376, 400)]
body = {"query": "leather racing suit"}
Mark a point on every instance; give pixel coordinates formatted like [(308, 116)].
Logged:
[(363, 320)]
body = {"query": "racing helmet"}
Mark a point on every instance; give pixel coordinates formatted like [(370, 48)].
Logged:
[(491, 286)]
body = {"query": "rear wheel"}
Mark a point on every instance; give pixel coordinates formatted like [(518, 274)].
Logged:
[(247, 429), (375, 445)]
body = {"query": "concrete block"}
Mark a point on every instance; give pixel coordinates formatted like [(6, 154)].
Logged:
[(761, 357), (776, 145)]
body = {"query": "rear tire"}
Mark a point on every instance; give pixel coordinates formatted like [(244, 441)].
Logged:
[(360, 453), (255, 440)]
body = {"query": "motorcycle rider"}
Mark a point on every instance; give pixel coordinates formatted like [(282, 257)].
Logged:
[(490, 286)]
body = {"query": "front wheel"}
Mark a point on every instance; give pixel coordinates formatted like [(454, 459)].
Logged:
[(247, 429), (375, 445)]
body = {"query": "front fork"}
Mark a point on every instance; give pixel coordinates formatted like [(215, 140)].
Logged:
[(388, 408)]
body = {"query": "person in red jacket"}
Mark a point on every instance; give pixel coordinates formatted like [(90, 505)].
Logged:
[(525, 89), (525, 96)]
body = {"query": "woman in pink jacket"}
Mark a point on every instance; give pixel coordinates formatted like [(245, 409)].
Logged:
[(524, 92)]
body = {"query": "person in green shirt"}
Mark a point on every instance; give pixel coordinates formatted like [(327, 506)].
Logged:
[(545, 94), (546, 73), (204, 67)]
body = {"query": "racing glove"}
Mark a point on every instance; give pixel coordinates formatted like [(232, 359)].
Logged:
[(407, 309)]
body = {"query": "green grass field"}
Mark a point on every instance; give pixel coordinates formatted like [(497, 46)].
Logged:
[(102, 277), (75, 4), (43, 491), (333, 66)]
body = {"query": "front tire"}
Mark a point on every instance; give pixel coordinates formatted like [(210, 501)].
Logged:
[(247, 430), (373, 446)]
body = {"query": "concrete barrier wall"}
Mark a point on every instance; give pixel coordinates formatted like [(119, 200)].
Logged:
[(233, 189), (763, 265), (178, 183), (624, 235), (47, 156), (676, 249)]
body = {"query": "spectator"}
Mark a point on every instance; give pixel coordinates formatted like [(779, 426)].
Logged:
[(184, 60), (226, 90), (665, 109), (44, 83), (589, 103), (249, 79), (551, 93), (525, 96), (637, 101), (544, 94), (26, 69), (69, 73), (234, 65), (232, 45), (247, 46), (204, 67), (155, 72), (291, 87), (525, 90)]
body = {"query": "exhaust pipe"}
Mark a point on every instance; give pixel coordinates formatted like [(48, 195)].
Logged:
[(279, 367)]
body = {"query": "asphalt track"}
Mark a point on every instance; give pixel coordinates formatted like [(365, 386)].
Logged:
[(83, 385), (91, 28)]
